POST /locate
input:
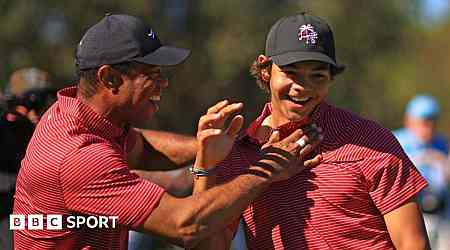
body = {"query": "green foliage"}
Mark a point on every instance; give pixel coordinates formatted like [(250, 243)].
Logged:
[(389, 55)]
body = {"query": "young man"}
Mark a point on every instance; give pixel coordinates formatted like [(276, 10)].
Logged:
[(361, 195), (79, 158)]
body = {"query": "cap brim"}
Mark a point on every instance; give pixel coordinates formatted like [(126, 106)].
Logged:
[(165, 56), (301, 56)]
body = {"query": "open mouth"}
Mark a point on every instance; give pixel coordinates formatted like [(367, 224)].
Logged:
[(299, 100), (155, 98)]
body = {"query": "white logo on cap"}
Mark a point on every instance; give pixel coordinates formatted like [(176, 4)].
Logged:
[(151, 34), (308, 34)]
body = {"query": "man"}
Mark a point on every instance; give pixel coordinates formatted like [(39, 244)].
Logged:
[(26, 95), (429, 150), (29, 92), (79, 158), (362, 195)]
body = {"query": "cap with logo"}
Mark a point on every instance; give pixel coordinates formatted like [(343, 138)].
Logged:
[(423, 107), (301, 37), (123, 38)]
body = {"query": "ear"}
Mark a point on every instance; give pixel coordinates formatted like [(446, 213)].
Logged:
[(265, 72), (109, 78)]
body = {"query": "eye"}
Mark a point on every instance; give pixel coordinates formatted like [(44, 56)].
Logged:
[(320, 76), (289, 73)]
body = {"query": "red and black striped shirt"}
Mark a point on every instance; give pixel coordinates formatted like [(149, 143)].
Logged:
[(338, 204), (76, 164)]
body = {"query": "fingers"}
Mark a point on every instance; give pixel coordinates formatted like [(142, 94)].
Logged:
[(218, 114), (313, 162), (295, 136), (274, 137), (312, 142), (205, 134), (230, 109), (235, 125), (217, 107), (208, 121)]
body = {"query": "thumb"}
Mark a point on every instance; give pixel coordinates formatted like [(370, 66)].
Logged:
[(274, 137), (235, 125)]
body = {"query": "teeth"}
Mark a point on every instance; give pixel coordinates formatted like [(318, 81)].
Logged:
[(300, 99), (155, 98)]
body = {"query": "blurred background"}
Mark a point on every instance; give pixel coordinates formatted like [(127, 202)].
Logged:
[(392, 49)]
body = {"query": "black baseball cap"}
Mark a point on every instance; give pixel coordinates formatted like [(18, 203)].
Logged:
[(123, 38), (301, 37)]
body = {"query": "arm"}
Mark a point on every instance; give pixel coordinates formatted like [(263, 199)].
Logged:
[(175, 182), (406, 227), (157, 150), (209, 210)]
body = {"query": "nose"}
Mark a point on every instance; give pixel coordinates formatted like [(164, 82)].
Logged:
[(300, 83), (303, 83)]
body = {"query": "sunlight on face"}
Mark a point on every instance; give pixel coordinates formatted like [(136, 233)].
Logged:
[(296, 90)]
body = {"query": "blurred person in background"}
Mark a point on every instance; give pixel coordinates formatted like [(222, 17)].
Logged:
[(26, 96), (429, 151), (29, 93)]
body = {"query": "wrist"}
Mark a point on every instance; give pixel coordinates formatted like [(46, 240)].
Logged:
[(198, 172)]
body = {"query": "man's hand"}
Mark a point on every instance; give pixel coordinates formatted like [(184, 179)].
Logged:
[(215, 140), (284, 159)]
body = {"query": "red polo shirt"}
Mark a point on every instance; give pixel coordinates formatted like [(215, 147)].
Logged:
[(338, 204), (76, 164)]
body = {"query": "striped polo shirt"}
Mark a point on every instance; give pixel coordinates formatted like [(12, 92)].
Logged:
[(338, 204), (75, 165)]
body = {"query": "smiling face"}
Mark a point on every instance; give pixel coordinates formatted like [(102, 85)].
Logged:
[(296, 89), (141, 93)]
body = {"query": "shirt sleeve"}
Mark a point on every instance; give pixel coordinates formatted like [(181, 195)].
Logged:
[(392, 178), (96, 180)]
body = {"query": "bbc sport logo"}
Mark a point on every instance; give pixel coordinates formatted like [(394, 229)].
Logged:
[(55, 221)]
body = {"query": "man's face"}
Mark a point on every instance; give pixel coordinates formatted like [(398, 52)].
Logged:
[(296, 89), (422, 128), (142, 88)]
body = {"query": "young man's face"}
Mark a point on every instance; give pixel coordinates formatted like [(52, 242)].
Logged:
[(296, 89), (143, 87)]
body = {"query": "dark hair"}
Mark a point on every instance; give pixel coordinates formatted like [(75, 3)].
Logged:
[(256, 68), (90, 83)]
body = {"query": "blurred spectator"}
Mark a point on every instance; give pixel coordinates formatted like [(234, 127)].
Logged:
[(429, 152), (29, 93), (25, 98)]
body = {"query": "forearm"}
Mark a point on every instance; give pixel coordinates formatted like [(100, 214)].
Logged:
[(216, 241), (178, 182), (165, 150), (216, 207), (189, 220)]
